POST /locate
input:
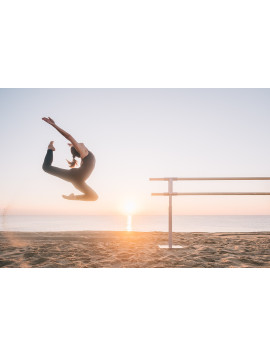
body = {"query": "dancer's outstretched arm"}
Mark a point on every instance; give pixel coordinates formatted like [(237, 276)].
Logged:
[(63, 132)]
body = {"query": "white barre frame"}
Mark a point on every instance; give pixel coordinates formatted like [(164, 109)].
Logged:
[(170, 194)]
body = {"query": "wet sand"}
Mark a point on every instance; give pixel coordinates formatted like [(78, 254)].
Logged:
[(110, 249)]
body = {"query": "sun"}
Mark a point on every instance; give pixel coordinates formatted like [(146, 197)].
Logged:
[(129, 207)]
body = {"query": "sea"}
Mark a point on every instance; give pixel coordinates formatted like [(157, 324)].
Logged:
[(181, 223)]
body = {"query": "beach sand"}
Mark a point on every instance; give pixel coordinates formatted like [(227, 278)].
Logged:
[(112, 249)]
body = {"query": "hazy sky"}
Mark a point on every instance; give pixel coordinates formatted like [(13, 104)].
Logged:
[(136, 134)]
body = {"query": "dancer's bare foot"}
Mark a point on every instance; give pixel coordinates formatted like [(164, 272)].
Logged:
[(69, 197), (51, 146)]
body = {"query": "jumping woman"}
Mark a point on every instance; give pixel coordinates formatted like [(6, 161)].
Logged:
[(76, 176)]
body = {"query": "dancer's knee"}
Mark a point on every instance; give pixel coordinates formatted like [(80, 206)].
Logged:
[(92, 197), (46, 167), (95, 197)]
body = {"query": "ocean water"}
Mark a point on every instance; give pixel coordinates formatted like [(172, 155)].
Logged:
[(206, 223)]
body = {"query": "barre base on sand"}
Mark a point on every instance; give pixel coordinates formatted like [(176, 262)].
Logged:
[(173, 246)]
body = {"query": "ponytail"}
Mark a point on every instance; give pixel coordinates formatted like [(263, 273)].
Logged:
[(74, 154), (73, 163)]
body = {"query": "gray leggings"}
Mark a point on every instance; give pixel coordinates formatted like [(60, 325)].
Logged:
[(76, 176)]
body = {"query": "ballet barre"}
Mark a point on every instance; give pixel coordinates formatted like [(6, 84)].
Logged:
[(171, 193)]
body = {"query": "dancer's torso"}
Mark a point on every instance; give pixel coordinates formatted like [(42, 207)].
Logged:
[(83, 150), (87, 166)]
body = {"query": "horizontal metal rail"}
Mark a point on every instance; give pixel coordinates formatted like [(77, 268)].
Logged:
[(212, 193), (216, 178)]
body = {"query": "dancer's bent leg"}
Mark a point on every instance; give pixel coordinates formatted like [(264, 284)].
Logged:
[(89, 193), (65, 174)]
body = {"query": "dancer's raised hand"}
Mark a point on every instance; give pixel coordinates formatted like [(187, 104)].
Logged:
[(48, 120), (78, 147)]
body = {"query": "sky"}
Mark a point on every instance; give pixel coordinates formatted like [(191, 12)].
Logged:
[(136, 134)]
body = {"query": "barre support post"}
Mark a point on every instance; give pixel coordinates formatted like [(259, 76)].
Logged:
[(170, 190)]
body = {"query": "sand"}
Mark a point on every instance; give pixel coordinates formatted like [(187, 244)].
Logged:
[(109, 249)]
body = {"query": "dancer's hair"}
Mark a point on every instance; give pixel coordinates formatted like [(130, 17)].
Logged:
[(74, 153)]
